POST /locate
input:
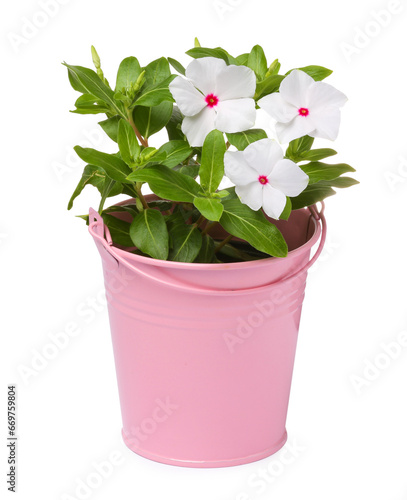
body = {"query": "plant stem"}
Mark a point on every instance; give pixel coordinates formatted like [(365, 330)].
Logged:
[(209, 227), (143, 142), (199, 221), (140, 195), (223, 243)]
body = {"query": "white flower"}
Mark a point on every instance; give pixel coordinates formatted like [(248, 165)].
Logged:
[(263, 177), (304, 107), (215, 96)]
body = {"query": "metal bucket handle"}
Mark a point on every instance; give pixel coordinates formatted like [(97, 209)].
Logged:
[(101, 232)]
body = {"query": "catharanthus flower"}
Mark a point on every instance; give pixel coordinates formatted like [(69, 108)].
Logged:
[(214, 96), (263, 178), (304, 107)]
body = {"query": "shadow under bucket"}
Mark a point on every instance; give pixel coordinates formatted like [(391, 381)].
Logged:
[(204, 353)]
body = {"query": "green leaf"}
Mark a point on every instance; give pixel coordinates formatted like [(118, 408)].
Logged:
[(212, 166), (298, 147), (196, 42), (168, 184), (340, 182), (149, 156), (257, 62), (242, 59), (318, 73), (129, 71), (119, 230), (75, 83), (128, 144), (210, 208), (199, 52), (318, 171), (111, 127), (244, 223), (91, 175), (156, 94), (92, 84), (96, 177), (268, 85), (112, 165), (150, 120), (311, 195), (90, 110), (242, 139), (176, 65), (177, 152), (85, 100), (287, 210), (107, 187), (191, 170), (130, 208), (149, 234), (274, 68), (207, 251), (174, 126), (244, 253), (186, 240), (318, 154), (157, 71)]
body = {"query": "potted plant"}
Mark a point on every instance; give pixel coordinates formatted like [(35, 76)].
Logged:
[(205, 284)]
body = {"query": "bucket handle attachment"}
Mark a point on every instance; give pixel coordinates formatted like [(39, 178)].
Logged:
[(100, 231)]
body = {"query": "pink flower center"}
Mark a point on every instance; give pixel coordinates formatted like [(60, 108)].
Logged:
[(211, 100), (263, 179), (303, 111)]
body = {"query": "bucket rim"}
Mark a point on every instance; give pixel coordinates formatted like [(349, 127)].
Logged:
[(219, 266)]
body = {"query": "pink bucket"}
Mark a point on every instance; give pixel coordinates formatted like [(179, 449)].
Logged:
[(204, 353)]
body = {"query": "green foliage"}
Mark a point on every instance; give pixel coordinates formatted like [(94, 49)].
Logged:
[(199, 52), (111, 127), (257, 62), (176, 152), (168, 184), (128, 144), (185, 240), (149, 233), (176, 65), (114, 167), (242, 139), (185, 179), (212, 167), (119, 230), (318, 171), (242, 222), (210, 208), (151, 119), (318, 73)]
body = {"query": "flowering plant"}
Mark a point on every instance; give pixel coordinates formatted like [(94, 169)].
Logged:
[(209, 113)]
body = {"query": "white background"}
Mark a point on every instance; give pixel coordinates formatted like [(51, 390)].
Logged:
[(351, 442)]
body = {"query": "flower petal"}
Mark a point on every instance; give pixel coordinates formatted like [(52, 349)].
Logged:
[(235, 82), (294, 88), (263, 155), (274, 201), (298, 127), (251, 195), (322, 95), (278, 108), (238, 170), (189, 100), (326, 123), (204, 73), (197, 127), (288, 178), (235, 115)]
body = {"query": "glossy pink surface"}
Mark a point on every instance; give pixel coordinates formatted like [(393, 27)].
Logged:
[(204, 353)]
